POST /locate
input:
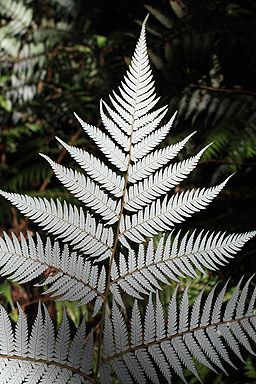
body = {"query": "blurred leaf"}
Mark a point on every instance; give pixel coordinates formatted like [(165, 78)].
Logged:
[(5, 104), (101, 41), (164, 20)]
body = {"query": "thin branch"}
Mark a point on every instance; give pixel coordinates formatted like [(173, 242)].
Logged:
[(41, 299), (224, 90)]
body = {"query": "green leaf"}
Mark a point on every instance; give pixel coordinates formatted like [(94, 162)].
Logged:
[(101, 41), (5, 104)]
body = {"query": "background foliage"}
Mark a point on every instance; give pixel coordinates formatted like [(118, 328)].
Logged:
[(60, 56)]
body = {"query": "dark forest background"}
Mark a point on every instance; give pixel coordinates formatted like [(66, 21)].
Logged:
[(61, 56)]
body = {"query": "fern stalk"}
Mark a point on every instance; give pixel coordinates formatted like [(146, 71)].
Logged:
[(123, 201), (178, 335)]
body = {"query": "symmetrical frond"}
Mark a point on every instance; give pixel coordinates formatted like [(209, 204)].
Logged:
[(176, 256), (87, 191), (97, 170), (161, 345), (67, 222), (71, 278), (150, 142), (107, 146), (142, 193), (42, 357), (155, 160), (162, 215)]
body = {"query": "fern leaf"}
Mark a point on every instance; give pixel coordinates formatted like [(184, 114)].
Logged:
[(153, 345), (150, 163), (7, 344), (41, 362), (114, 130), (205, 339), (149, 324), (77, 345), (37, 336), (150, 142), (137, 90), (86, 191), (87, 355), (136, 326), (107, 146), (118, 119), (49, 333), (105, 376), (122, 372), (66, 222), (148, 190), (134, 367), (160, 321), (160, 216), (97, 170), (21, 334), (18, 260), (131, 109), (62, 340), (73, 279), (120, 331), (19, 14), (147, 124), (177, 256)]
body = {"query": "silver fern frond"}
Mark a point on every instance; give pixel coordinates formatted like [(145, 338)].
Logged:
[(97, 170), (169, 343), (178, 255), (72, 277), (160, 215), (42, 357), (67, 222), (113, 245)]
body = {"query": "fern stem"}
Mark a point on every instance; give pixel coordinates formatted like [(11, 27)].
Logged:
[(47, 362), (239, 91), (63, 271), (178, 335), (126, 177), (108, 284)]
